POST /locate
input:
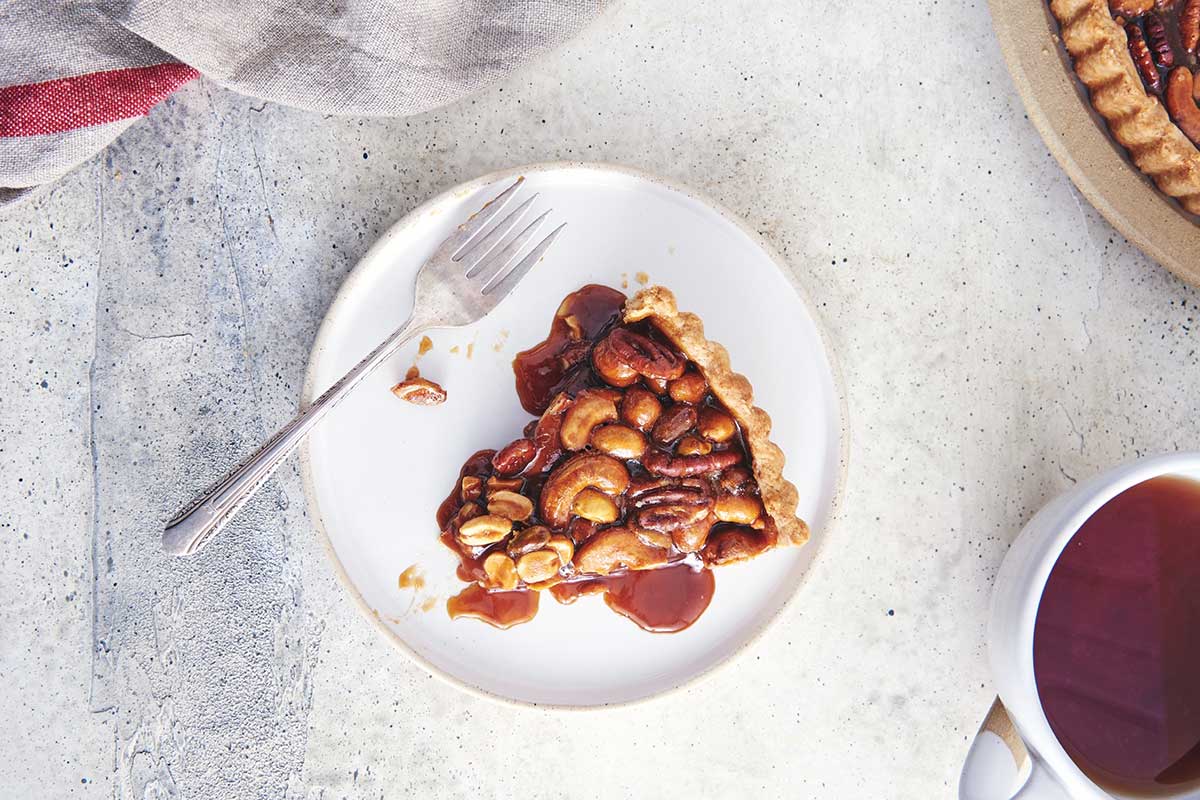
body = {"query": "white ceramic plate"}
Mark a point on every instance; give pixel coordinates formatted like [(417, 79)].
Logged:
[(377, 468)]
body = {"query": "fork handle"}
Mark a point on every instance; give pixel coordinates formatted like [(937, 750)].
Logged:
[(195, 526)]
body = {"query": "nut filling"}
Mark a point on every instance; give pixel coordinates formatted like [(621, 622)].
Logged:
[(634, 480), (1139, 62)]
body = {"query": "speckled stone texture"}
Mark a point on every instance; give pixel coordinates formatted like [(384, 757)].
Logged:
[(999, 341)]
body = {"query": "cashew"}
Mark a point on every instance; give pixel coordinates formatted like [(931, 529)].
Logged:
[(510, 505), (715, 425), (648, 357), (500, 570), (484, 530), (688, 388), (693, 446), (614, 549), (538, 566), (595, 506), (589, 410), (572, 477), (741, 510), (528, 540), (641, 409), (619, 441), (563, 546), (1181, 103)]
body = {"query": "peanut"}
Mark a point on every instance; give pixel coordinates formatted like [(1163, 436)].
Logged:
[(595, 506), (513, 506), (688, 388), (483, 530), (538, 566), (500, 570), (715, 425), (641, 409), (619, 441)]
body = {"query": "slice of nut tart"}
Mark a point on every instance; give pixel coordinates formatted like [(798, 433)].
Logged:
[(647, 464)]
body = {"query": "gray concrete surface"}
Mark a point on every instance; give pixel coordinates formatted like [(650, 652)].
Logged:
[(999, 341)]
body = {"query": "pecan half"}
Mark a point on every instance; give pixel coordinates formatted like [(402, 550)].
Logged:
[(1160, 45), (687, 495), (1181, 103), (1189, 25), (645, 355), (1142, 59), (668, 518), (660, 463), (647, 483)]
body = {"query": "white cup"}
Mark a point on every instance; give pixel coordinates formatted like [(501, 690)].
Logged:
[(1052, 775)]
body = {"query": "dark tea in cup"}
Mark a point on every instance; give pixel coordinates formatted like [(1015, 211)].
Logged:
[(1116, 645)]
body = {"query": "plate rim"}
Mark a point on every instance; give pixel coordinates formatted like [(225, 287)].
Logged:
[(355, 276), (1056, 104)]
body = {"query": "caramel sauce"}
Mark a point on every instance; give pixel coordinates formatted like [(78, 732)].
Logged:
[(500, 609), (1116, 644), (664, 600), (540, 371), (425, 346)]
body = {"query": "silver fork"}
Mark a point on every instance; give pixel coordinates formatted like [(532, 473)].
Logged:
[(470, 273)]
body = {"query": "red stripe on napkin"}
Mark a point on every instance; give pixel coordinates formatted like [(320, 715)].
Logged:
[(93, 99)]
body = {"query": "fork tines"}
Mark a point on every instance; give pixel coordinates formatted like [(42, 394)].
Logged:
[(489, 259)]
